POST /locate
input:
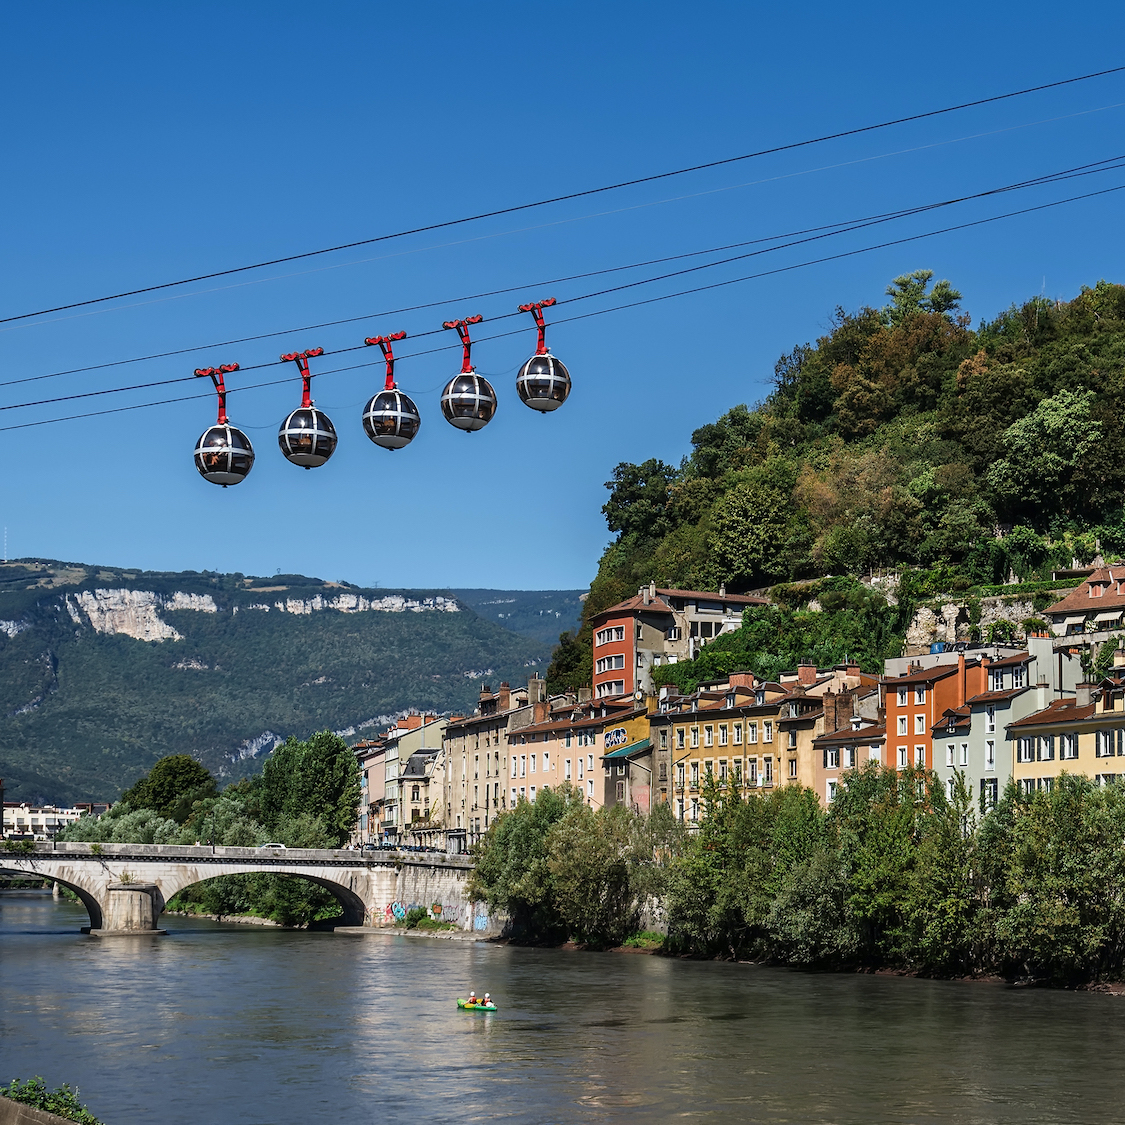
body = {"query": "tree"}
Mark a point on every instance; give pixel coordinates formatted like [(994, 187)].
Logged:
[(748, 530), (172, 787), (1040, 471), (638, 501), (318, 778), (571, 665), (908, 296)]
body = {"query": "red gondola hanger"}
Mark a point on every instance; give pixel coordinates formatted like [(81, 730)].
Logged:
[(468, 401), (307, 436), (223, 453), (543, 382), (390, 418)]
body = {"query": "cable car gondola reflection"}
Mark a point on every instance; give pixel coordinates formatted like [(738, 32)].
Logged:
[(390, 418), (307, 436), (468, 401), (223, 453)]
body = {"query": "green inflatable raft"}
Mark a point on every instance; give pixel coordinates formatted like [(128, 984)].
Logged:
[(476, 1006)]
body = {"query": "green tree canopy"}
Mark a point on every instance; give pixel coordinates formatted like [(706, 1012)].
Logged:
[(172, 787)]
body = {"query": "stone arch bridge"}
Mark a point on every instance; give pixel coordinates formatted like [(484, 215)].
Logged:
[(125, 887)]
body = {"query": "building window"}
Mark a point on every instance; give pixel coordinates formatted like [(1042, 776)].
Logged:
[(874, 754), (722, 734), (610, 663), (736, 769), (990, 719), (680, 776), (919, 755), (792, 768), (695, 809), (902, 724), (663, 771), (523, 765), (1068, 746), (920, 694), (768, 768), (849, 757), (951, 788), (581, 773), (831, 758), (695, 775), (949, 750), (792, 740), (723, 770), (415, 795), (767, 731), (830, 791), (902, 757), (566, 770), (621, 791), (531, 763), (989, 792), (513, 798), (707, 771), (664, 739), (902, 697), (1025, 750), (964, 761), (515, 767), (738, 734), (919, 724), (679, 738), (590, 761), (1046, 748), (680, 809), (589, 787), (752, 733), (605, 636), (1017, 676), (990, 754), (708, 736), (694, 736)]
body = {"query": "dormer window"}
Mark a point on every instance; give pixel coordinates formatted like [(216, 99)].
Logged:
[(760, 698), (730, 700)]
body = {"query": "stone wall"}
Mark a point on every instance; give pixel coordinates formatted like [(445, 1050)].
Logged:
[(15, 1113)]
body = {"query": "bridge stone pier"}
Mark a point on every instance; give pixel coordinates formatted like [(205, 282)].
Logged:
[(125, 887)]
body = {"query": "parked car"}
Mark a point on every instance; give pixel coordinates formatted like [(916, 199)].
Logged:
[(271, 847)]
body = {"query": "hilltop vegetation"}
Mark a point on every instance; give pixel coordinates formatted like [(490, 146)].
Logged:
[(84, 713), (903, 439)]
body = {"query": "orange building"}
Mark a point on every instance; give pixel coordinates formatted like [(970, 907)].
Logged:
[(657, 627), (917, 699)]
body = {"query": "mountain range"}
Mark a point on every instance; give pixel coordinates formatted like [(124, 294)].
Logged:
[(104, 670)]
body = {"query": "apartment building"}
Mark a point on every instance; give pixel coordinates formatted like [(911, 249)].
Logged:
[(476, 758), (850, 733), (1091, 612), (41, 822), (658, 626), (1084, 735), (725, 732)]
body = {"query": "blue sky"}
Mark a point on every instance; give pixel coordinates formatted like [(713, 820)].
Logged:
[(150, 142)]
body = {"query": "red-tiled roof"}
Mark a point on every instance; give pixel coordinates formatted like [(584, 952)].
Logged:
[(864, 734), (1109, 578), (996, 696), (923, 676), (631, 605), (1008, 661), (713, 596), (1057, 711), (659, 605)]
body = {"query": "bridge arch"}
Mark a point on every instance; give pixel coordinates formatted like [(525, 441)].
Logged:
[(88, 900), (353, 907)]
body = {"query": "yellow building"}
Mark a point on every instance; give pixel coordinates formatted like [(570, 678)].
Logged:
[(1084, 735)]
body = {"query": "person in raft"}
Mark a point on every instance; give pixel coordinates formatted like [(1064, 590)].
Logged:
[(487, 999), (472, 998)]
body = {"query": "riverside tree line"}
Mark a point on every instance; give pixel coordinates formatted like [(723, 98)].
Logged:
[(893, 875)]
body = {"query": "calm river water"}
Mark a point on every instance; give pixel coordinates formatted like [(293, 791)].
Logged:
[(215, 1024)]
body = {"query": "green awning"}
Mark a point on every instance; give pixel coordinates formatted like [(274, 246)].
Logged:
[(626, 751)]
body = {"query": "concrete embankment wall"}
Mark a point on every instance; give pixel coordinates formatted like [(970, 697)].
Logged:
[(15, 1113)]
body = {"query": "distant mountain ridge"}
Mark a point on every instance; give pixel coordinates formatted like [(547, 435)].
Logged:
[(103, 669)]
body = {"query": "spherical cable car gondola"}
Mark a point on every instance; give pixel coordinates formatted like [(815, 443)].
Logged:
[(307, 436), (223, 454), (468, 401), (543, 381), (390, 418)]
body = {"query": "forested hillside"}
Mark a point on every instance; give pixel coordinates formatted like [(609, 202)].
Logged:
[(903, 439), (103, 671)]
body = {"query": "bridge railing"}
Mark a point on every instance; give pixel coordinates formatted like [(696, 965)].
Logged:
[(335, 857)]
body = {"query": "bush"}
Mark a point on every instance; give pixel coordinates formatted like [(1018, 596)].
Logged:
[(62, 1102), (415, 915)]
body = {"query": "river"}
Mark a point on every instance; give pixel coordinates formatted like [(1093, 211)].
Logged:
[(215, 1024)]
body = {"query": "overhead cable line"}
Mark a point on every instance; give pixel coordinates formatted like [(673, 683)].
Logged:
[(601, 312), (828, 230), (572, 195)]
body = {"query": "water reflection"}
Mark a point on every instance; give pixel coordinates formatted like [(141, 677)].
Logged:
[(235, 1024)]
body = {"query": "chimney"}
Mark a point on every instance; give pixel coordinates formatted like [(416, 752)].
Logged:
[(1041, 695), (652, 591), (1082, 695), (1119, 659), (536, 689), (504, 700), (585, 694), (645, 598), (741, 679), (806, 673), (722, 589), (960, 680)]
